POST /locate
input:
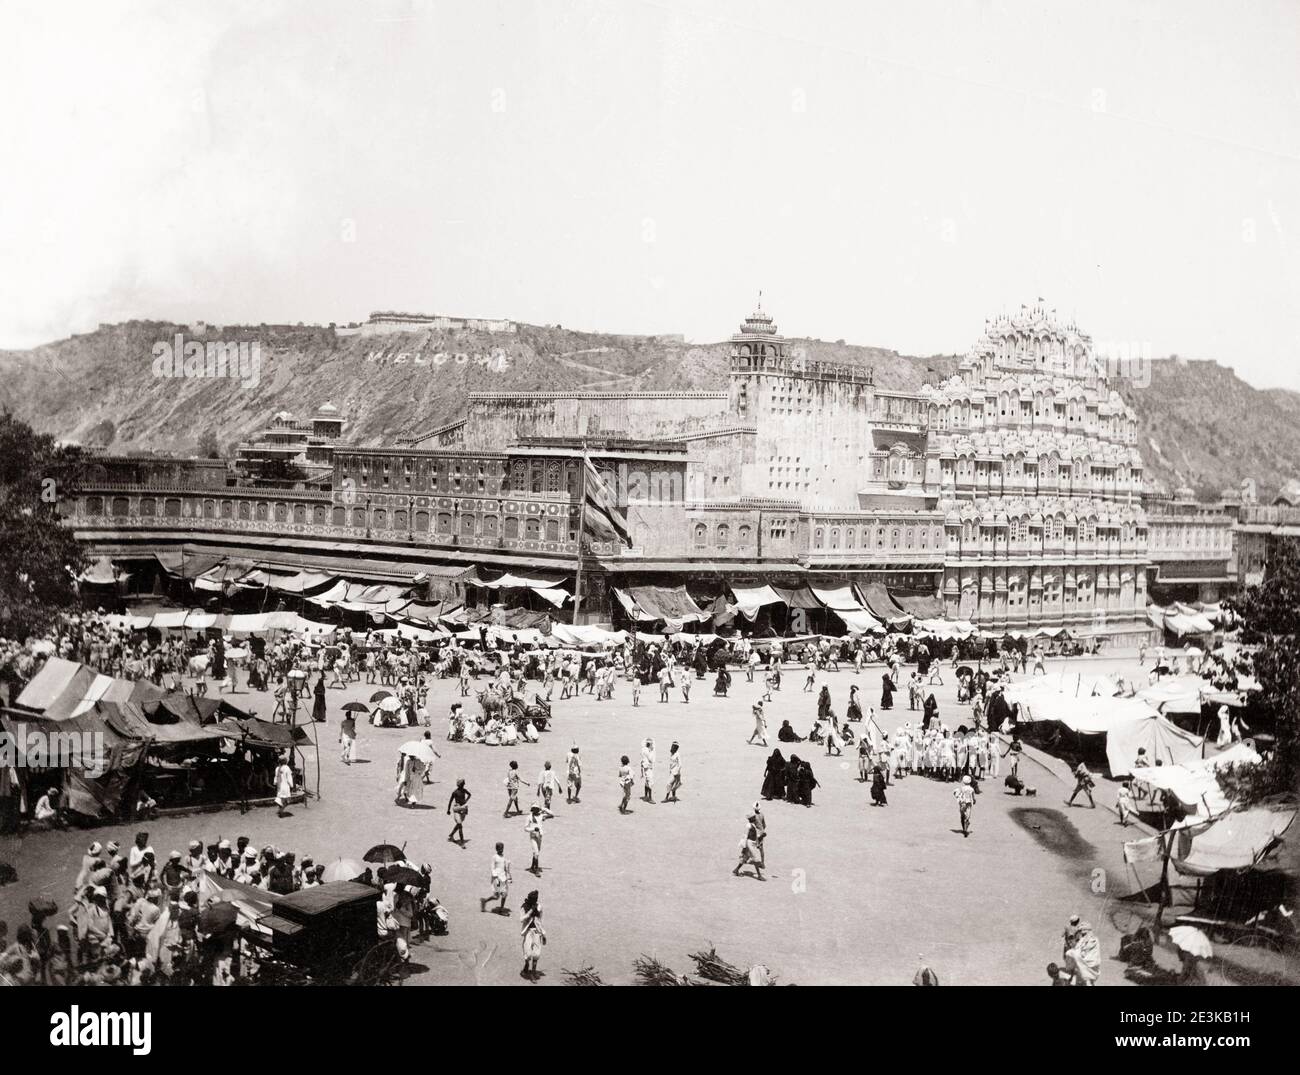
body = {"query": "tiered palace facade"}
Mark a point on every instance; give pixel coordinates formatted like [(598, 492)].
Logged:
[(1011, 494)]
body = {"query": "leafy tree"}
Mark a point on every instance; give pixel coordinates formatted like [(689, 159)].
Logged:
[(103, 434), (39, 557), (1270, 614), (280, 472), (209, 446)]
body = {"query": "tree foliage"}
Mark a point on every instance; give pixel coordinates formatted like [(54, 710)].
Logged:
[(279, 472), (39, 557), (1270, 614)]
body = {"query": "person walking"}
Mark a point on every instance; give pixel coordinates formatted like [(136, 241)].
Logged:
[(573, 781), (965, 796), (674, 772), (534, 938), (625, 782), (348, 737), (500, 883), (459, 804), (760, 724), (283, 786), (648, 771), (533, 826), (512, 790), (548, 783), (1083, 782)]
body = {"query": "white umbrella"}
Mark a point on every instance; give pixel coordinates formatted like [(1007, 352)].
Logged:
[(1192, 941), (389, 704), (420, 749)]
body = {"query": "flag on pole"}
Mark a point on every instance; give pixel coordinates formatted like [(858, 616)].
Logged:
[(602, 516)]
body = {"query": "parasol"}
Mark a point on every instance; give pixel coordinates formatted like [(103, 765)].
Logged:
[(297, 673), (402, 875), (343, 870), (389, 705), (379, 696), (420, 749), (1191, 940), (385, 854), (218, 916), (42, 907), (356, 707), (42, 646)]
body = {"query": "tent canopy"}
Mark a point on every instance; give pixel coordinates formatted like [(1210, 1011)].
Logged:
[(1233, 841), (749, 600), (923, 606), (877, 600)]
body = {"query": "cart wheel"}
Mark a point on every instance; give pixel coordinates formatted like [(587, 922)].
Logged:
[(1126, 919), (380, 966), (1260, 941)]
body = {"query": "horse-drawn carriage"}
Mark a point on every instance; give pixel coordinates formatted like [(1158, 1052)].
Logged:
[(514, 709), (324, 935)]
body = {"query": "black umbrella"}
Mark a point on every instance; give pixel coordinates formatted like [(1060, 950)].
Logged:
[(385, 854), (965, 670), (356, 707), (42, 907), (218, 916), (379, 696), (401, 875)]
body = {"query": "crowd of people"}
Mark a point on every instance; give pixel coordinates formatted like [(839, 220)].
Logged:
[(136, 918)]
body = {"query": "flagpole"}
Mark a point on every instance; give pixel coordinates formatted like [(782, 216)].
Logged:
[(582, 529)]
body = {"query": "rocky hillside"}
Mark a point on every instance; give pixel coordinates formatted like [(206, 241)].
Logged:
[(1201, 425)]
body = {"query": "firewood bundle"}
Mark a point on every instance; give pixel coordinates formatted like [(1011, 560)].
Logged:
[(649, 971), (712, 967), (582, 976)]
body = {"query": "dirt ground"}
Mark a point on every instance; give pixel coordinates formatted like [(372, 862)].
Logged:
[(854, 893)]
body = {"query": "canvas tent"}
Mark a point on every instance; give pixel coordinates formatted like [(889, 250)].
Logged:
[(1237, 840), (844, 603), (876, 598), (748, 600), (1127, 723), (1195, 783)]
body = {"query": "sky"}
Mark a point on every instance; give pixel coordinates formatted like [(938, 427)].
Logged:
[(886, 173)]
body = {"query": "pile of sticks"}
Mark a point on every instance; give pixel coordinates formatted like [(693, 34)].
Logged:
[(649, 971), (712, 967), (582, 976)]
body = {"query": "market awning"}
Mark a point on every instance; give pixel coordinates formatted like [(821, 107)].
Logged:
[(748, 600), (51, 680), (799, 597), (1234, 841), (922, 605), (1195, 783), (878, 602), (669, 603), (520, 582)]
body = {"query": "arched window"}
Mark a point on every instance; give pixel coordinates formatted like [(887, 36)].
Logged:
[(724, 535), (743, 535), (701, 535), (818, 538)]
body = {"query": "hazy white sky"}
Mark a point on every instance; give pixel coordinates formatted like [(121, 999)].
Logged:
[(888, 173)]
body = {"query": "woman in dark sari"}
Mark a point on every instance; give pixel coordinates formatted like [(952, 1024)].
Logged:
[(792, 770), (774, 777), (878, 788), (806, 783), (318, 707), (887, 689), (854, 712), (824, 703), (931, 711)]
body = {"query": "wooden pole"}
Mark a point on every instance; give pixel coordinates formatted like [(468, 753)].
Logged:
[(582, 529)]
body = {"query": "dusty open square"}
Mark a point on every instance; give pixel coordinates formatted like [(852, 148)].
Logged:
[(854, 894)]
